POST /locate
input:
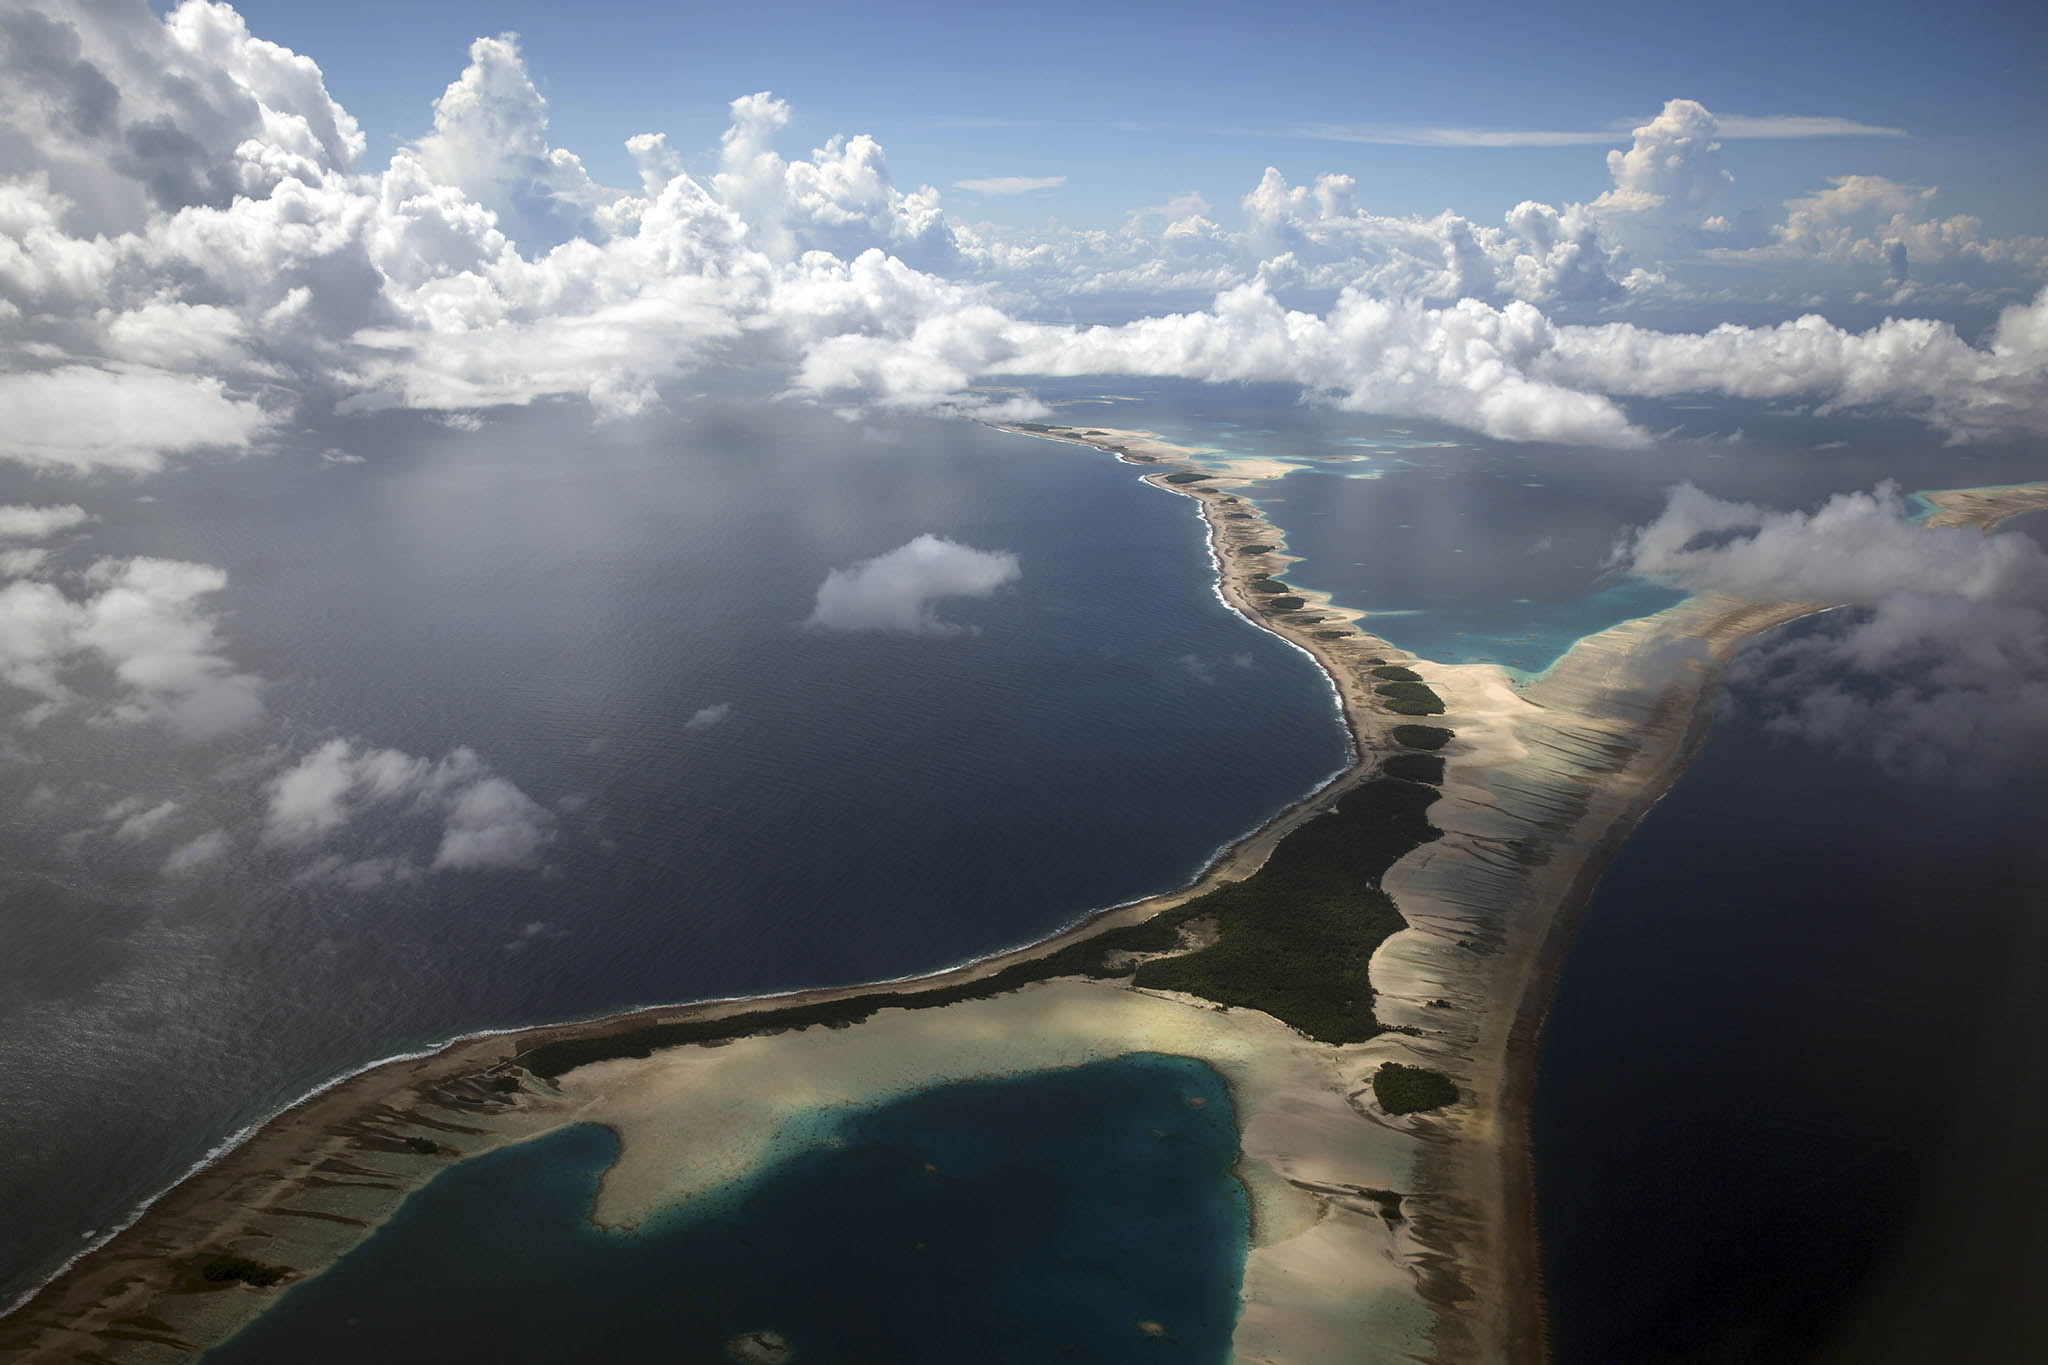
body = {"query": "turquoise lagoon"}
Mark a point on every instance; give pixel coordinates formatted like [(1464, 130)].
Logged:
[(1463, 549), (1088, 1214)]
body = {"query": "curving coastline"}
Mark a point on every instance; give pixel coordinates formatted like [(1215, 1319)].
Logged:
[(134, 1296), (1543, 784)]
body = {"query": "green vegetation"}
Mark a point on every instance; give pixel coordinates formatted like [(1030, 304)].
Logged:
[(427, 1146), (1389, 1203), (1033, 426), (1188, 476), (1280, 604), (1251, 549), (1237, 516), (1265, 583), (1296, 940), (224, 1269), (1332, 634), (1396, 673), (1423, 736), (1411, 1089), (1415, 768), (1410, 699), (1293, 940)]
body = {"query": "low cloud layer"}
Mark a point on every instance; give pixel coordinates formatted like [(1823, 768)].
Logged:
[(20, 522), (1858, 548), (198, 852), (137, 641), (486, 821), (148, 620), (1941, 666), (82, 419), (708, 717), (135, 820), (896, 591)]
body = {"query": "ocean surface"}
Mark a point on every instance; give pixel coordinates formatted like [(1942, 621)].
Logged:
[(608, 617), (1790, 1103), (1086, 1215), (565, 600)]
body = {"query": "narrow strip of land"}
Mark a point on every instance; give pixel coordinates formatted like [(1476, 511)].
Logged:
[(1368, 971)]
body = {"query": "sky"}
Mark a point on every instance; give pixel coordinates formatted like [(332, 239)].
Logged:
[(1139, 103), (237, 214), (223, 229)]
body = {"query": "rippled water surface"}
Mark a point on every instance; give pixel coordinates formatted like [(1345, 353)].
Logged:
[(564, 600)]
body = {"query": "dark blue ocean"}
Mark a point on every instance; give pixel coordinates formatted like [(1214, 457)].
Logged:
[(1026, 1219), (1790, 1104), (563, 599), (1791, 1100)]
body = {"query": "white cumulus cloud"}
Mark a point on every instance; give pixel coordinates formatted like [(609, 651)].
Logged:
[(896, 591), (191, 244), (1941, 669), (136, 821), (492, 823), (19, 522), (85, 418), (708, 717), (486, 821), (490, 141), (146, 620), (196, 853)]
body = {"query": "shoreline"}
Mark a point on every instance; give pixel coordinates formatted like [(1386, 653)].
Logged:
[(1522, 1259), (1986, 509), (1588, 733), (130, 1261)]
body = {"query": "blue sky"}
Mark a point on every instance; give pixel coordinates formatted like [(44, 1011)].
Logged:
[(1139, 102), (1519, 222)]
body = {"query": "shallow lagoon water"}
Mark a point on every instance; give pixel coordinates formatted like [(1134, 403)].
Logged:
[(1040, 1217)]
